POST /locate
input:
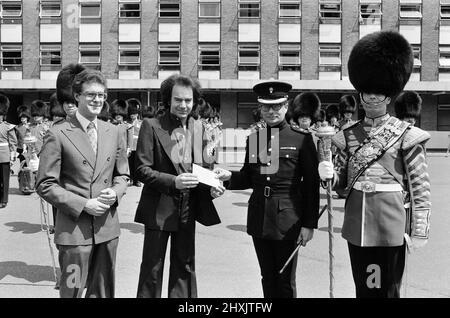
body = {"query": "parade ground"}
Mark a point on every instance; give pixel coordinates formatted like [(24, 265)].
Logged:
[(226, 263)]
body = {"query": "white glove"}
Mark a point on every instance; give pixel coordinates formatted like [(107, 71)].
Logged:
[(326, 170)]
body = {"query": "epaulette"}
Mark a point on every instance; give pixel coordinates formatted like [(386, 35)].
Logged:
[(10, 126), (298, 129), (339, 140), (414, 136)]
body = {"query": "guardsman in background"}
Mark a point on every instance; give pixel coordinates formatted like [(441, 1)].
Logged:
[(38, 127), (281, 212), (119, 113), (135, 122), (304, 111), (57, 112), (408, 106), (8, 146), (64, 88), (332, 115), (380, 160), (105, 115), (23, 112), (347, 107)]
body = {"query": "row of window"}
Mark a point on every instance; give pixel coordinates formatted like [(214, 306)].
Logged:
[(370, 11)]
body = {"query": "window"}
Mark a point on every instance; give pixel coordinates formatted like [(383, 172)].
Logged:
[(11, 9), (289, 9), (50, 9), (90, 9), (209, 9), (248, 58), (330, 9), (410, 11), (169, 56), (370, 13), (289, 57), (417, 56), (443, 114), (169, 8), (330, 55), (50, 55), (445, 9), (444, 57), (129, 54), (129, 9), (11, 57), (249, 8), (209, 57), (89, 54)]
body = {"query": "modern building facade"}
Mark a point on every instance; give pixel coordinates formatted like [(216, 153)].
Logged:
[(228, 44)]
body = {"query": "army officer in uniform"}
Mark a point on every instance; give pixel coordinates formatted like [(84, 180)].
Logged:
[(281, 212)]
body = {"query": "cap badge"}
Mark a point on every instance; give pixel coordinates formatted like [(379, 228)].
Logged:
[(270, 90)]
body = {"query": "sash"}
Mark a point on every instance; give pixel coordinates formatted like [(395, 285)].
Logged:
[(374, 147)]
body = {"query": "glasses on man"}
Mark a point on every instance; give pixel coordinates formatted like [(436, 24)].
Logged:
[(376, 98), (275, 107), (92, 96)]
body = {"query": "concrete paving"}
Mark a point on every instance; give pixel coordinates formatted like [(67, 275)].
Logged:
[(225, 259)]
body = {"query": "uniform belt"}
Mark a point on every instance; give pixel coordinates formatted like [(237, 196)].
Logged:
[(368, 186), (269, 191), (3, 144)]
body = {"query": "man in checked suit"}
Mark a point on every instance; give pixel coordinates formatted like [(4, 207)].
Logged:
[(83, 172)]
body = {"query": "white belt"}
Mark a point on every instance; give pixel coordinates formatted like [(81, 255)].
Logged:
[(368, 186), (3, 144)]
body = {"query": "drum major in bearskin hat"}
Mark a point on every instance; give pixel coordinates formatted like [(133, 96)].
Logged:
[(119, 107), (347, 104), (23, 111), (39, 108)]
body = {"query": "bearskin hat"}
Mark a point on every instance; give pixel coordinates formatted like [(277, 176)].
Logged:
[(23, 111), (104, 114), (332, 111), (39, 108), (408, 104), (119, 107), (56, 110), (347, 104), (4, 105), (64, 82), (134, 106), (381, 63), (306, 104), (149, 112)]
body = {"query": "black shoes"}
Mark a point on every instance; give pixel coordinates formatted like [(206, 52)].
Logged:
[(3, 205)]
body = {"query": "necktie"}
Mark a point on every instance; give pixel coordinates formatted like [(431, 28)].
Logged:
[(92, 133)]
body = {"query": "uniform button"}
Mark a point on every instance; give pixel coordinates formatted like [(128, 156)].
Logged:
[(84, 162), (270, 149), (273, 137), (268, 163), (268, 179), (253, 156), (108, 159), (105, 181), (287, 156)]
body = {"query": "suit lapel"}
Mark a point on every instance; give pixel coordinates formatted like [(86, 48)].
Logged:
[(80, 140), (166, 141), (103, 145)]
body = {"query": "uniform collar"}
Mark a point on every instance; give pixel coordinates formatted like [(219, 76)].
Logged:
[(280, 126), (377, 120)]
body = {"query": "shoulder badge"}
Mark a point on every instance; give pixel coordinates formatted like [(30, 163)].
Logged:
[(414, 136)]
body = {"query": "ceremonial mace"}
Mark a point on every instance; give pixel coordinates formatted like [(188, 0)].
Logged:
[(45, 207), (325, 133)]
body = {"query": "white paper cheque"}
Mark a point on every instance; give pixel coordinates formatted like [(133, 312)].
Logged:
[(205, 176)]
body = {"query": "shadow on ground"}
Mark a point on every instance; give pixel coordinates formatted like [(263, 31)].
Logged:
[(24, 227), (31, 273), (134, 228), (237, 227)]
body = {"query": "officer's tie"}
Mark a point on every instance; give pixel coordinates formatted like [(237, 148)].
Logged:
[(92, 133)]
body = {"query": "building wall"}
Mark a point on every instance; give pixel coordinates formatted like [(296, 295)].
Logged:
[(70, 28), (149, 39), (189, 37), (430, 40), (110, 39), (30, 39), (229, 39), (269, 39), (310, 40)]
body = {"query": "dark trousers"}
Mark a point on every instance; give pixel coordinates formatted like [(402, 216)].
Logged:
[(5, 172), (182, 280), (272, 255), (377, 271), (88, 266), (132, 165)]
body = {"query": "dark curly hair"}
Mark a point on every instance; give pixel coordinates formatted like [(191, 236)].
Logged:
[(181, 80)]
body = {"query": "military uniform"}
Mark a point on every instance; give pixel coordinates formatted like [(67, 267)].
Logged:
[(8, 145), (381, 161), (281, 168)]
